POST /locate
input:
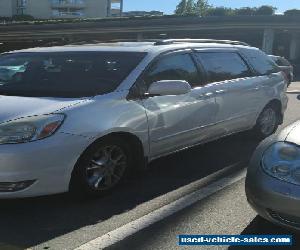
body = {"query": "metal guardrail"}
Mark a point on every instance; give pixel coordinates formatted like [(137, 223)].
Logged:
[(121, 27)]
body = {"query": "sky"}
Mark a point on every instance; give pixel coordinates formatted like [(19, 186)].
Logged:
[(168, 6)]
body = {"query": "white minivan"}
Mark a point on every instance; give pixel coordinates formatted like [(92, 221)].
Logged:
[(79, 117)]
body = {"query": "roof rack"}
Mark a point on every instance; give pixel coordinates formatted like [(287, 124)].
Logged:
[(83, 42), (172, 41), (158, 42)]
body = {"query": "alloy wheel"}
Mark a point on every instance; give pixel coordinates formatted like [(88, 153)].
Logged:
[(106, 168), (268, 121)]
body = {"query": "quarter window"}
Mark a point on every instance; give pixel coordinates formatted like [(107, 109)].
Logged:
[(174, 67), (282, 62), (262, 63), (221, 66)]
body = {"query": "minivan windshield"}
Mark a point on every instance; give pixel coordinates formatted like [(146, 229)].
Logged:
[(65, 74)]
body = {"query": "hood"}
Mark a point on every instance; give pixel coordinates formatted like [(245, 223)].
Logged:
[(13, 107), (294, 133)]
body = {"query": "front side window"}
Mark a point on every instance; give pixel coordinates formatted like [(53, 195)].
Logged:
[(174, 67), (65, 74), (221, 66)]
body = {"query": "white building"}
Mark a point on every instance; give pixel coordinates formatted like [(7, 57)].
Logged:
[(45, 9)]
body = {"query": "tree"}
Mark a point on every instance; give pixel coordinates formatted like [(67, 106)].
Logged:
[(266, 10), (202, 7), (190, 8), (292, 12), (246, 11), (220, 11), (181, 8)]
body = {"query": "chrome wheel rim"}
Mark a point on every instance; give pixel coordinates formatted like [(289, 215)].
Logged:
[(268, 121), (106, 167)]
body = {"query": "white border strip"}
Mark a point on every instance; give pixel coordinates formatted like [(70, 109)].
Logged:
[(133, 227)]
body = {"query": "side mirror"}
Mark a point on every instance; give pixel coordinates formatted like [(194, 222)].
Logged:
[(169, 87)]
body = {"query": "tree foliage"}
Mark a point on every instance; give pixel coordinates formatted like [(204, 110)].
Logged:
[(190, 8), (181, 8), (292, 12), (266, 10), (220, 11), (203, 8), (246, 11)]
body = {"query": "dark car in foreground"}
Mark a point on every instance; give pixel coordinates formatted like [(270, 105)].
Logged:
[(285, 66), (273, 178)]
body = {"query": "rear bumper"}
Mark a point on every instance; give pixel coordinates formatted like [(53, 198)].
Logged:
[(47, 163)]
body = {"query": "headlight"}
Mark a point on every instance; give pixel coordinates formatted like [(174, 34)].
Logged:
[(30, 128), (282, 161)]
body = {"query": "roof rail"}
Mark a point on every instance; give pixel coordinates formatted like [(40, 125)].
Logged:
[(83, 42), (172, 41)]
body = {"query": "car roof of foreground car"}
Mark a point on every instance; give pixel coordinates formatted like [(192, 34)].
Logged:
[(148, 47)]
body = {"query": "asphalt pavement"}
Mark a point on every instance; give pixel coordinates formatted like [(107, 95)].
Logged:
[(58, 222)]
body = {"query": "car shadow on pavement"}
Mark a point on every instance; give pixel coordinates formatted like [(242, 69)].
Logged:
[(260, 226), (30, 222)]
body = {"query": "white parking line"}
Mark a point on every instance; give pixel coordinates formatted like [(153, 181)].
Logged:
[(133, 227), (292, 91)]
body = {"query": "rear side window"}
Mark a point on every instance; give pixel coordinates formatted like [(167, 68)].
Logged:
[(174, 67), (221, 66), (283, 62), (262, 63)]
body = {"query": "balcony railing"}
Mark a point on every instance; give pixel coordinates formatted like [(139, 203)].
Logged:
[(74, 4)]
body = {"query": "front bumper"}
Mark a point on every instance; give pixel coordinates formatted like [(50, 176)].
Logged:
[(273, 199), (48, 162)]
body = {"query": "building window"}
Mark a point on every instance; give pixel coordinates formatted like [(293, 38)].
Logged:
[(21, 3), (67, 2), (67, 13)]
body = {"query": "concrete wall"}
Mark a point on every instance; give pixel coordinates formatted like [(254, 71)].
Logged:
[(295, 47), (96, 8), (38, 8), (6, 8)]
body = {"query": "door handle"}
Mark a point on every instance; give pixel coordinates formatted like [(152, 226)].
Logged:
[(221, 91), (206, 95), (256, 88)]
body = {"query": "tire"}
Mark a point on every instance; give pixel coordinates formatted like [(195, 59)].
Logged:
[(101, 168), (267, 122)]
